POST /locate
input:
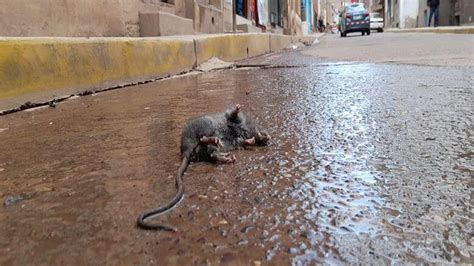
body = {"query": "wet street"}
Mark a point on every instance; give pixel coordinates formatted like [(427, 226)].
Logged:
[(371, 162)]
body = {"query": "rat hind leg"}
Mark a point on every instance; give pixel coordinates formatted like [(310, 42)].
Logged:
[(222, 157)]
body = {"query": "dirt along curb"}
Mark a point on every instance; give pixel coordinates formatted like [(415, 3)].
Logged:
[(41, 71)]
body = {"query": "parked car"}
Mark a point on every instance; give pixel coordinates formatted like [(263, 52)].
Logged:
[(376, 22), (355, 18)]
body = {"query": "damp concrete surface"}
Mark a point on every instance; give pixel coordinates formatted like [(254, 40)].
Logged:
[(370, 163)]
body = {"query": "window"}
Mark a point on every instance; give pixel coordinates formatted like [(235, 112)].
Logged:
[(356, 8)]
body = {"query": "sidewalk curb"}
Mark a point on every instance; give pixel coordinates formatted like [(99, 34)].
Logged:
[(455, 30), (42, 69)]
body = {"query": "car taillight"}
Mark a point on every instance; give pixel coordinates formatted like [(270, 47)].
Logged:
[(348, 16), (367, 14)]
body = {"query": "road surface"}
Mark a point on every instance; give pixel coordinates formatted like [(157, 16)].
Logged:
[(371, 161)]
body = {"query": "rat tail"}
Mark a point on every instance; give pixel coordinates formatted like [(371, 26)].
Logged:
[(141, 221)]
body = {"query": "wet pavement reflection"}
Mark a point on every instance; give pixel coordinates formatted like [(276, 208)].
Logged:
[(370, 163)]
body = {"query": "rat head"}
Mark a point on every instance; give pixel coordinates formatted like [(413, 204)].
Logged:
[(242, 126), (262, 138)]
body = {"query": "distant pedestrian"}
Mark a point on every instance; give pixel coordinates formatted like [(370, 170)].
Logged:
[(434, 10), (322, 28)]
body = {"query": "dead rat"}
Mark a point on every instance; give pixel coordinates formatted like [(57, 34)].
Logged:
[(209, 138)]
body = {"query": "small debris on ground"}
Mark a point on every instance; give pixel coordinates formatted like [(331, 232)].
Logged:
[(214, 63), (10, 200), (242, 242), (223, 222), (247, 228)]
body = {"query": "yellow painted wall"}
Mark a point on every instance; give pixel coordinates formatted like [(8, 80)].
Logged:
[(48, 64)]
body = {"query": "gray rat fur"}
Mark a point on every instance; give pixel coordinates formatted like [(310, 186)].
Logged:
[(209, 138)]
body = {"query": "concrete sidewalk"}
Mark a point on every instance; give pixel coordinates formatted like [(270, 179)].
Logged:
[(39, 70), (451, 29)]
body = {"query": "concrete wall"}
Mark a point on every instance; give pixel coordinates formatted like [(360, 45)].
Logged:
[(392, 13), (423, 13), (74, 18), (294, 17), (131, 8), (185, 8), (61, 18), (209, 16), (408, 13), (164, 24), (402, 13), (467, 16), (446, 11), (120, 18), (463, 9), (209, 19), (466, 12), (228, 18)]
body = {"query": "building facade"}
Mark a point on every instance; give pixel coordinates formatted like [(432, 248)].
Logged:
[(415, 13), (110, 18)]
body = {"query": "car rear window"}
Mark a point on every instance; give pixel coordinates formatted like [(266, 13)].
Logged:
[(356, 8)]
